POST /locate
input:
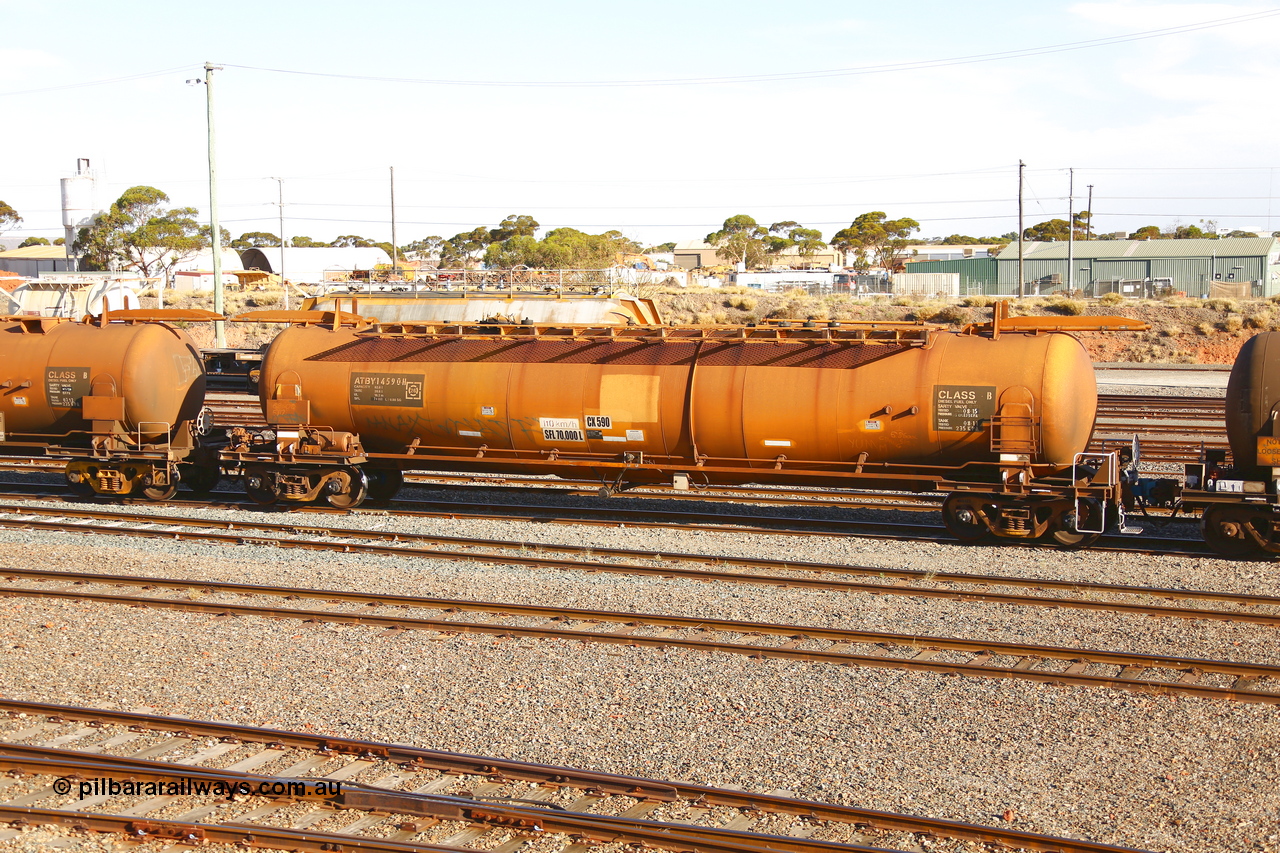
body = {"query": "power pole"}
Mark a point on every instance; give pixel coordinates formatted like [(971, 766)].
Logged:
[(395, 269), (1088, 226), (219, 330), (1071, 231), (1021, 285), (280, 204)]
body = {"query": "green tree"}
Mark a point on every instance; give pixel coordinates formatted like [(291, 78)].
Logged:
[(33, 241), (875, 239), (808, 241), (661, 247), (741, 237), (1240, 234), (1082, 222), (514, 226), (255, 240), (9, 217), (351, 241), (139, 233), (301, 242), (424, 249), (516, 250), (469, 245), (1053, 229), (1189, 232), (779, 239), (1147, 232)]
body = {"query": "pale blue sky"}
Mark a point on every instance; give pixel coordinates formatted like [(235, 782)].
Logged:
[(1179, 126)]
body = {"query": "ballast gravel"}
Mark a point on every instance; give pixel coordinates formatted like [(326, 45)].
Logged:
[(1156, 773)]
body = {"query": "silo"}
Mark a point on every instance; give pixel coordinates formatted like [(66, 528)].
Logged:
[(79, 203)]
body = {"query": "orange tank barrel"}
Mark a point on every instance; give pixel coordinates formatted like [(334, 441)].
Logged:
[(878, 393), (149, 375), (1253, 397)]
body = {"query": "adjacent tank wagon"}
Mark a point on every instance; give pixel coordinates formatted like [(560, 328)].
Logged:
[(120, 397), (1241, 502)]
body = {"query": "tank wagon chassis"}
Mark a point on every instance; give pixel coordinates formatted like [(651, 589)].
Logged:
[(1004, 483), (1012, 499)]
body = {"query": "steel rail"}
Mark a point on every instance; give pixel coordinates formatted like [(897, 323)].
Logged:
[(1029, 655), (601, 783), (644, 518), (603, 829), (243, 835), (386, 543)]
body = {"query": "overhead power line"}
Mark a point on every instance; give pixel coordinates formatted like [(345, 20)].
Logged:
[(795, 75), (105, 82)]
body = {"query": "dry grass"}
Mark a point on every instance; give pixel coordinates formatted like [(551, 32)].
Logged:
[(1110, 299), (979, 301), (1222, 305), (742, 303), (1261, 320), (954, 315), (1171, 331), (1206, 329), (1233, 323), (1063, 305)]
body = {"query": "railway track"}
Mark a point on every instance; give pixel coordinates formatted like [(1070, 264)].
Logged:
[(396, 797), (1150, 674), (642, 515), (960, 586)]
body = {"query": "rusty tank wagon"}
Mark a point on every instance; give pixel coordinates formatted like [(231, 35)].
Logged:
[(1240, 502), (120, 397), (997, 415)]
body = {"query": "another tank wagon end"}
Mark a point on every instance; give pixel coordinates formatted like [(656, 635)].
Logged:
[(1241, 502), (119, 397)]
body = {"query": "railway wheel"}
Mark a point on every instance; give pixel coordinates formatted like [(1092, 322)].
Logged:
[(81, 484), (1091, 515), (261, 487), (1226, 529), (962, 514), (160, 493), (201, 479), (352, 494), (384, 483)]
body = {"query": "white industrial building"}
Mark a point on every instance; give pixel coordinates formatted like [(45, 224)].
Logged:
[(314, 265)]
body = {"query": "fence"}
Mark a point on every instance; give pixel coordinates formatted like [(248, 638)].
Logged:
[(518, 279)]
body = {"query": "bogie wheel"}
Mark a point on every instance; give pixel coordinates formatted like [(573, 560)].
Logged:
[(160, 493), (82, 488), (261, 487), (1091, 516), (1224, 529), (201, 479), (962, 515), (384, 483), (354, 493)]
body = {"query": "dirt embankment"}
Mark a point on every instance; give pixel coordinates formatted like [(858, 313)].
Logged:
[(1183, 330)]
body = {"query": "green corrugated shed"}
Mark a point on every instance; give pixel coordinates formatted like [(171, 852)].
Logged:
[(1192, 265), (977, 275)]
